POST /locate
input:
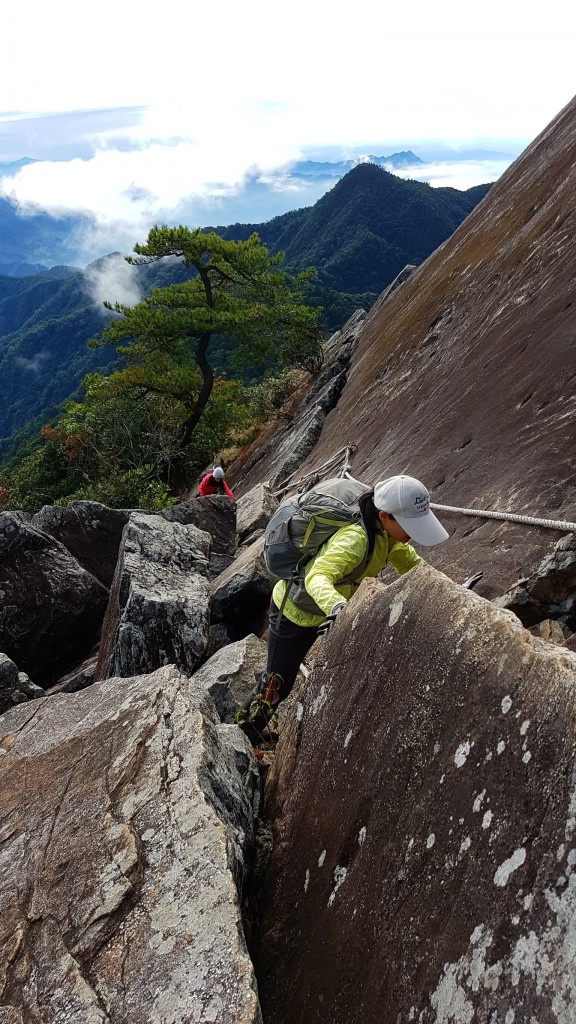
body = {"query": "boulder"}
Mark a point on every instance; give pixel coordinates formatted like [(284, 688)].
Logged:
[(550, 592), (229, 675), (423, 867), (158, 609), (549, 630), (217, 637), (90, 531), (240, 596), (253, 512), (51, 608), (79, 678), (570, 643), (215, 514), (15, 686), (127, 819)]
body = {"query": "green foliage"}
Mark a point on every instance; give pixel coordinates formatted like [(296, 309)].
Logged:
[(264, 399), (237, 293), (52, 476), (118, 446), (259, 719), (337, 307), (362, 233), (44, 325), (358, 236), (148, 427), (38, 480), (129, 489)]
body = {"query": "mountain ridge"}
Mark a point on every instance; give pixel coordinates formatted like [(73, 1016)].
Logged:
[(378, 201), (46, 319)]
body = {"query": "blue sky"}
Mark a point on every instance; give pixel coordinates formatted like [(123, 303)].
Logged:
[(141, 112)]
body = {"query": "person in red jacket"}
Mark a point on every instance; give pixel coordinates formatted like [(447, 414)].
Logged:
[(213, 482)]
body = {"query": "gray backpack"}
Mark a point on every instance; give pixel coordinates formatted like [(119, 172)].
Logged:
[(298, 530)]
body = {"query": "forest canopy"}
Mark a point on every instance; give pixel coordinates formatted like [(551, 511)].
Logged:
[(140, 435)]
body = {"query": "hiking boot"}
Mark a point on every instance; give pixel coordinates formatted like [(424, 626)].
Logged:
[(267, 689), (271, 689), (258, 709)]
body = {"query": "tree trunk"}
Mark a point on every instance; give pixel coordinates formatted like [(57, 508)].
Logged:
[(180, 471)]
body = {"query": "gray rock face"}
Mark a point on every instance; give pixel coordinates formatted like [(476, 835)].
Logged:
[(127, 815), (15, 686), (51, 609), (241, 595), (229, 675), (216, 515), (398, 280), (550, 592), (423, 865), (340, 346), (158, 609), (254, 510), (88, 530)]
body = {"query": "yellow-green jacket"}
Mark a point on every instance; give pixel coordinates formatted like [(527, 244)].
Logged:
[(338, 557)]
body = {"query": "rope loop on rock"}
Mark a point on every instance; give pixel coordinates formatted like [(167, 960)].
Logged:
[(342, 457)]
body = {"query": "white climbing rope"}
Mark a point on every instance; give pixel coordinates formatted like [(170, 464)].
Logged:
[(343, 456), (348, 452), (510, 516)]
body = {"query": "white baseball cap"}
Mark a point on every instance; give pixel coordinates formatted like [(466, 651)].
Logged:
[(218, 473), (409, 502)]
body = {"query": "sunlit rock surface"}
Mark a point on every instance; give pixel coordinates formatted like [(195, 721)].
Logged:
[(158, 609), (229, 675), (126, 817), (216, 515), (254, 511), (423, 867)]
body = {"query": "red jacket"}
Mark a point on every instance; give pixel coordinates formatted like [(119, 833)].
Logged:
[(208, 485)]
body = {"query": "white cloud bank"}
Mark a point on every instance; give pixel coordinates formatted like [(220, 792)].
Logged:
[(217, 98), (460, 174)]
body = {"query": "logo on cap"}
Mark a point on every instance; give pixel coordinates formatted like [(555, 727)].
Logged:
[(421, 503)]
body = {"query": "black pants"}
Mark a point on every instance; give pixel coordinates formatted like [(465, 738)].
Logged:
[(288, 644)]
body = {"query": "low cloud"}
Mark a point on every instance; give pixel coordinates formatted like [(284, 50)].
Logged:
[(112, 279), (133, 190), (125, 193), (460, 174), (35, 364), (120, 193)]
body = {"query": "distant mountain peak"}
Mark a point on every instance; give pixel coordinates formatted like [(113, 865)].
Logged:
[(9, 169), (406, 158), (337, 169)]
